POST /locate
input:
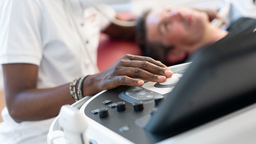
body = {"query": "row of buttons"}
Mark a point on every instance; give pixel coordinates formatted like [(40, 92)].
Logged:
[(120, 106), (103, 112)]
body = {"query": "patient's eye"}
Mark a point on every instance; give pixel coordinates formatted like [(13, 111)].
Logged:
[(166, 26)]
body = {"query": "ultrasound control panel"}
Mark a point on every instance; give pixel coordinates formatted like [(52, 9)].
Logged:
[(126, 110)]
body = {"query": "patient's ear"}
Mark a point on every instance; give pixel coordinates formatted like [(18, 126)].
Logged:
[(175, 57)]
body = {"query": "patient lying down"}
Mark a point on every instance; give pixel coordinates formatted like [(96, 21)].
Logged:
[(172, 35)]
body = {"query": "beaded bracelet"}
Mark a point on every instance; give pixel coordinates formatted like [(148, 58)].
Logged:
[(80, 87), (72, 89), (76, 88)]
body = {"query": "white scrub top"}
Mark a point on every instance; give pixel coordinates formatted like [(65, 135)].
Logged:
[(41, 32), (5, 10)]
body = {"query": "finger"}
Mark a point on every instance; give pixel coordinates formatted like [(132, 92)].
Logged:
[(124, 80), (212, 14), (222, 19), (142, 74), (145, 65), (143, 58), (225, 22)]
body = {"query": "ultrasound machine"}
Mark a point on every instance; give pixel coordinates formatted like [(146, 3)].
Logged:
[(209, 101)]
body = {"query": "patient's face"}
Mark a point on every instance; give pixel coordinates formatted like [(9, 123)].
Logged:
[(176, 27)]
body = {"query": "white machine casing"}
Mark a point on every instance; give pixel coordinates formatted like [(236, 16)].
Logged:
[(236, 128), (72, 125)]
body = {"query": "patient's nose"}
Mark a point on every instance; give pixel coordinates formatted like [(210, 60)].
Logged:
[(174, 14)]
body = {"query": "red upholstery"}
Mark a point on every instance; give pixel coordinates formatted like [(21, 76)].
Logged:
[(110, 51)]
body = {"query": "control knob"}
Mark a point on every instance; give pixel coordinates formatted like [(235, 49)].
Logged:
[(138, 106), (103, 112), (158, 100), (120, 106)]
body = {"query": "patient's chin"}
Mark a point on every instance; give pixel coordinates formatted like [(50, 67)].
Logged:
[(176, 58)]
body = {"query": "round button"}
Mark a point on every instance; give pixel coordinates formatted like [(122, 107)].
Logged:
[(103, 112), (138, 106), (120, 106), (158, 100)]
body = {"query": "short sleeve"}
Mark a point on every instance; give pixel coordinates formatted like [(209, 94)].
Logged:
[(24, 44), (5, 9)]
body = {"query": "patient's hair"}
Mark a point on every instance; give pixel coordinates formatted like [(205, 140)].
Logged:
[(152, 49)]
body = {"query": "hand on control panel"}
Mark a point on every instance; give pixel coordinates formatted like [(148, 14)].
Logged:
[(130, 70)]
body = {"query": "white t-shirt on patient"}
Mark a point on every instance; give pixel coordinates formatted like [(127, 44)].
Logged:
[(41, 32)]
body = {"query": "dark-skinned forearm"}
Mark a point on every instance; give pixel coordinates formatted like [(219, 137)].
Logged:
[(40, 104)]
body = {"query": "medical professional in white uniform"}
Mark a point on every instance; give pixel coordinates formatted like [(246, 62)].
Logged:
[(5, 9), (44, 53)]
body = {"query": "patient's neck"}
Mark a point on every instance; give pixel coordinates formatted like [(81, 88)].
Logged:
[(212, 35)]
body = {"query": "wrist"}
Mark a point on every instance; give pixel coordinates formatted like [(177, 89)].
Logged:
[(91, 85)]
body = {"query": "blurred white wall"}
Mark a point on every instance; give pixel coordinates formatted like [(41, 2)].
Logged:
[(138, 6), (239, 8)]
